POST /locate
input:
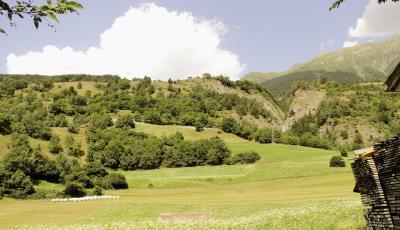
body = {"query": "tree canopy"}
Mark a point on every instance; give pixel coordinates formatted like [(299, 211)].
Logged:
[(337, 3), (36, 12)]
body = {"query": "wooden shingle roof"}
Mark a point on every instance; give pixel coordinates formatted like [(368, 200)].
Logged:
[(393, 82)]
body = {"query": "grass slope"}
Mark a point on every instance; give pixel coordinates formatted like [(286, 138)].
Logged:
[(291, 187)]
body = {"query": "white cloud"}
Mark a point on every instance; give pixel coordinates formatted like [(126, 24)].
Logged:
[(350, 44), (377, 20), (328, 45), (147, 40)]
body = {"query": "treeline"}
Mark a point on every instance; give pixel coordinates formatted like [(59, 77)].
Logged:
[(295, 136), (25, 166), (198, 106), (129, 150)]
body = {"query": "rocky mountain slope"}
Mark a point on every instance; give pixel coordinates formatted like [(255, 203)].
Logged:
[(372, 61)]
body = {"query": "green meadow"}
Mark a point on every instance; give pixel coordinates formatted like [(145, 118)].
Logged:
[(291, 187)]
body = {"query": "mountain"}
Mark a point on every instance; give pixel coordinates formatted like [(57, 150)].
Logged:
[(372, 61), (259, 77)]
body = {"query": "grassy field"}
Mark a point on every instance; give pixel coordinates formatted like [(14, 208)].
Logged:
[(291, 187)]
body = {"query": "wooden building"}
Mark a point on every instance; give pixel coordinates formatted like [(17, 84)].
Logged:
[(377, 174), (393, 82)]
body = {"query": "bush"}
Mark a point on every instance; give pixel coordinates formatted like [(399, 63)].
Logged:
[(337, 161), (343, 153), (115, 181), (244, 158), (97, 191), (72, 147), (55, 145), (125, 121), (95, 169), (309, 140), (72, 128), (199, 127), (263, 136), (18, 186), (74, 189), (228, 124), (288, 139)]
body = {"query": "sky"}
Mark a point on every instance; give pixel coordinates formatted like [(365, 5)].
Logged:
[(181, 38)]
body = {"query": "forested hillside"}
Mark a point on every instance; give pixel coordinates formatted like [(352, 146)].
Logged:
[(350, 116), (70, 129), (362, 63)]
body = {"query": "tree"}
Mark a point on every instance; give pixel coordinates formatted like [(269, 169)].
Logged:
[(337, 3), (116, 181), (18, 186), (37, 13), (5, 124), (72, 147), (125, 121), (55, 145), (218, 152), (101, 121)]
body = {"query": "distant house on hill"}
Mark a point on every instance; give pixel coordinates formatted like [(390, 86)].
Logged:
[(393, 82)]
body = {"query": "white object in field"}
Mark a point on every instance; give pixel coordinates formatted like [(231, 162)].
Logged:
[(86, 198)]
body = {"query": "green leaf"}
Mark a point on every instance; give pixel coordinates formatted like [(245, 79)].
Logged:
[(52, 16), (336, 4), (75, 5), (2, 31)]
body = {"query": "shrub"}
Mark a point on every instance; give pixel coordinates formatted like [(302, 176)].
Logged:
[(337, 161), (95, 169), (74, 189), (125, 121), (72, 128), (199, 127), (288, 139), (343, 153), (101, 121), (263, 135), (227, 124), (72, 147), (309, 140), (244, 158), (18, 186), (55, 145), (358, 141), (97, 191), (115, 181)]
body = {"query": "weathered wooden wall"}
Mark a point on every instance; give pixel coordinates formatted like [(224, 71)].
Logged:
[(378, 182)]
